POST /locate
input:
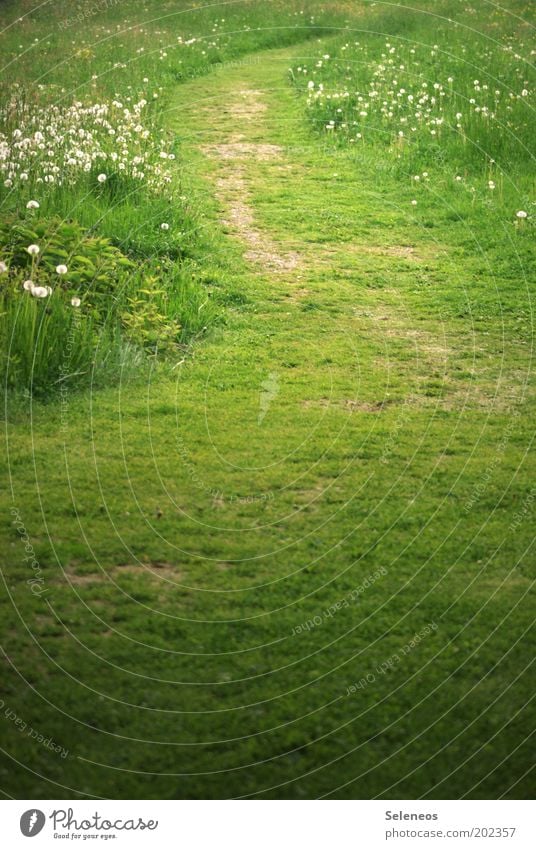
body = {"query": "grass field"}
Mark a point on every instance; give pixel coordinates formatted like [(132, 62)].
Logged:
[(268, 523)]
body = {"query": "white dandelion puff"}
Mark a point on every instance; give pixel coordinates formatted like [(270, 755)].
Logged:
[(40, 292)]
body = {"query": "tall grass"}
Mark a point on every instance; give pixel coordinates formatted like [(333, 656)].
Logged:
[(456, 101), (35, 363)]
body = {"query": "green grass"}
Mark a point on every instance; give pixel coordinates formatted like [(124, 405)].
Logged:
[(199, 612)]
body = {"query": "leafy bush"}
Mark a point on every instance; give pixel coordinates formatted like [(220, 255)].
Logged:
[(94, 265)]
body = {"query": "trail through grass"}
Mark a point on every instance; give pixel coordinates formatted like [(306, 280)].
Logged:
[(286, 570)]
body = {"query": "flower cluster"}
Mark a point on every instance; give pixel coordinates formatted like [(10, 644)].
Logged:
[(54, 145)]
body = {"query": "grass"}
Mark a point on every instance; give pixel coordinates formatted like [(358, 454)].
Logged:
[(204, 620)]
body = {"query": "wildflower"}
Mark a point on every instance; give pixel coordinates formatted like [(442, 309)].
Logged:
[(33, 250), (521, 214), (414, 203), (75, 302), (28, 285), (458, 178), (40, 292), (32, 204), (164, 226), (61, 269), (3, 267), (101, 178)]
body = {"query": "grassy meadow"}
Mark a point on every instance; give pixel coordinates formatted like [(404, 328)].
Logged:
[(266, 285)]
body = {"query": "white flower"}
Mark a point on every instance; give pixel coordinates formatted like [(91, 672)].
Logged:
[(521, 214), (28, 285), (101, 178), (75, 302), (32, 204), (33, 250), (164, 226), (414, 203), (458, 179), (3, 267), (61, 269), (40, 292)]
